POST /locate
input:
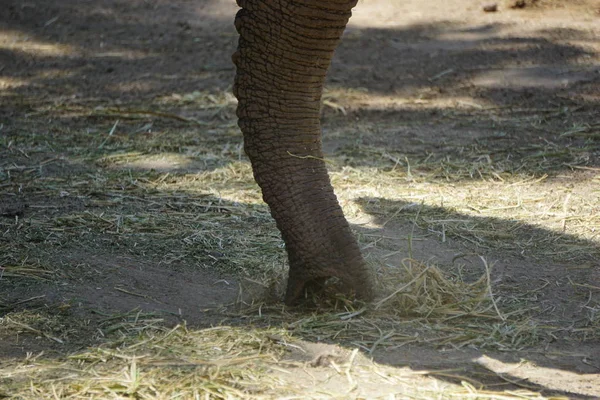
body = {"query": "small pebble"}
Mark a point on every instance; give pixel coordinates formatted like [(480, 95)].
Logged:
[(490, 7)]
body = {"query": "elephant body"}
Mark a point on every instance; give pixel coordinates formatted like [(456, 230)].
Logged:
[(284, 52)]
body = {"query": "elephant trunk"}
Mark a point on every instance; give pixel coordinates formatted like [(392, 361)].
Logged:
[(284, 51)]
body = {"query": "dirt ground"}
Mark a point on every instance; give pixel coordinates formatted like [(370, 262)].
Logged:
[(454, 134)]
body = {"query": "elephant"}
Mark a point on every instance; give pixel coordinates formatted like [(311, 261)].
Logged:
[(284, 50)]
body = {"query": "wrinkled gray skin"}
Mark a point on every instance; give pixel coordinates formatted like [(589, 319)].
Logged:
[(284, 51)]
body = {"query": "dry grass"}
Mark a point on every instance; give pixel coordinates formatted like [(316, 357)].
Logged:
[(219, 363), (224, 362), (420, 305), (150, 187)]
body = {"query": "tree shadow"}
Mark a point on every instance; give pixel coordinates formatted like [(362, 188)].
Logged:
[(555, 294), (163, 66), (525, 258), (78, 260), (169, 275)]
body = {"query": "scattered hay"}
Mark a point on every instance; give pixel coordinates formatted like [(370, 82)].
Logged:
[(219, 363), (421, 305), (96, 186), (38, 324), (429, 293), (25, 271)]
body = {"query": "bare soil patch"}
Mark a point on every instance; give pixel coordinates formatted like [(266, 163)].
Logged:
[(464, 147)]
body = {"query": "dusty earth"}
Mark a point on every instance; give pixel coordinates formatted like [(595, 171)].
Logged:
[(123, 185)]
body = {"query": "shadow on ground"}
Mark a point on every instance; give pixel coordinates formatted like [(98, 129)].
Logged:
[(123, 184), (84, 281), (417, 88)]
